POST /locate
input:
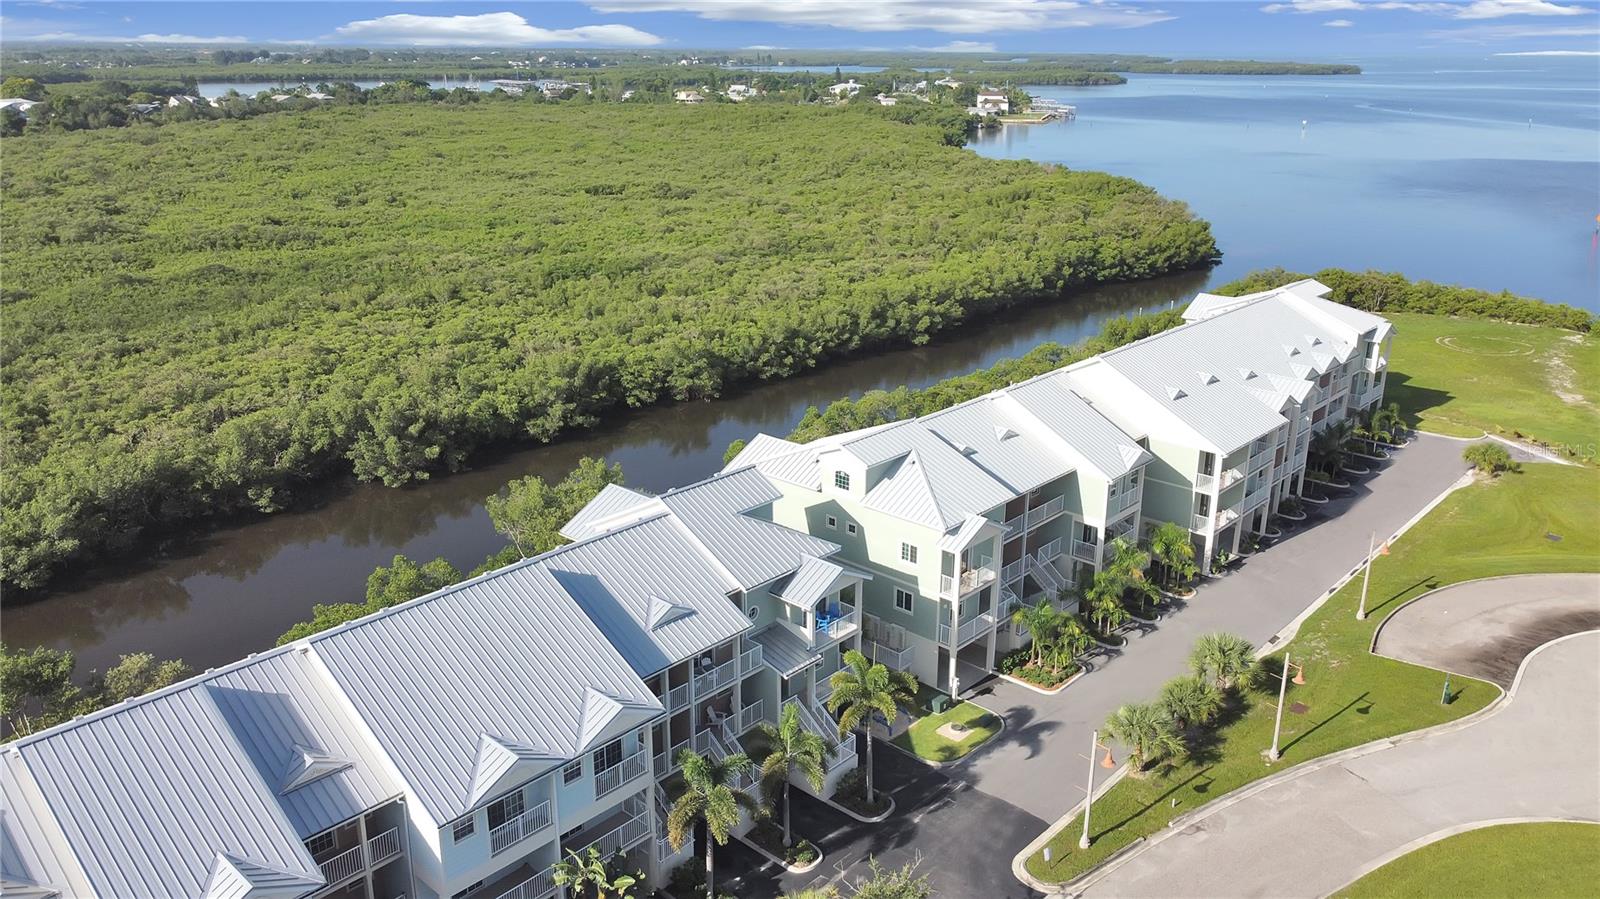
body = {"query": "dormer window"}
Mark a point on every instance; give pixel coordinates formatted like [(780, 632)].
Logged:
[(841, 479)]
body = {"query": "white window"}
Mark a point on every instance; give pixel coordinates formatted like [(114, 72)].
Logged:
[(833, 523), (908, 553), (462, 829), (572, 772), (505, 808), (323, 843), (850, 528), (608, 756), (904, 600), (841, 479)]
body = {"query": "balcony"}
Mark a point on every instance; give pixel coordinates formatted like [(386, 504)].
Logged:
[(667, 762), (607, 781), (1083, 551), (969, 630), (383, 847), (519, 828), (713, 679), (1127, 499), (1016, 525), (540, 886), (972, 579), (836, 624), (1376, 363), (1256, 497), (1048, 552), (750, 660), (1259, 458), (1013, 571), (1200, 523), (343, 866), (1009, 602), (824, 687), (753, 714), (1047, 510), (1230, 477), (1204, 483), (897, 659), (676, 698), (630, 833)]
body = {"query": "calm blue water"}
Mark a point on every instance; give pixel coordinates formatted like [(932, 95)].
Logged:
[(1431, 168)]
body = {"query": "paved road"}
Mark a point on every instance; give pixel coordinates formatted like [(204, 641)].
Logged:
[(1535, 757), (1485, 628), (1006, 793)]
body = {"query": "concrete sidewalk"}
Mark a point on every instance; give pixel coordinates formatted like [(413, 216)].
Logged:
[(1535, 757)]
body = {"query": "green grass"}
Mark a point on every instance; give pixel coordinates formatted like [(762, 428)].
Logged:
[(1490, 528), (1496, 377), (1546, 860), (923, 739)]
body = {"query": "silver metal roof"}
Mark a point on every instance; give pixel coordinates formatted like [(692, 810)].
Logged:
[(31, 867), (612, 501), (278, 708), (753, 550), (784, 651), (815, 579), (992, 438), (1085, 435), (931, 483), (783, 460), (150, 792), (490, 656), (619, 578)]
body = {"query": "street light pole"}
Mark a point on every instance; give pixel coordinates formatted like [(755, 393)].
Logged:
[(1283, 689), (1088, 799), (1372, 542)]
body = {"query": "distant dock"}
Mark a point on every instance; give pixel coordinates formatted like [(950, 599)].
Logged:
[(1042, 111)]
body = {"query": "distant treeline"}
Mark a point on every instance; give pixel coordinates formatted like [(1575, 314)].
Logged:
[(201, 319), (1392, 292), (877, 407)]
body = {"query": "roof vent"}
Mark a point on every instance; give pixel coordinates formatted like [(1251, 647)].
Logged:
[(665, 612), (308, 763), (1175, 393), (1314, 340), (1002, 433), (968, 449), (1291, 350), (1208, 378), (1247, 373)]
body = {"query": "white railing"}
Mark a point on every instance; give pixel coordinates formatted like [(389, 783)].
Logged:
[(824, 687), (898, 659), (710, 681), (974, 578), (621, 838), (1204, 482), (667, 762), (1124, 500), (1256, 497), (1200, 522), (1009, 602), (1049, 509), (1046, 574), (383, 847), (1048, 551), (1082, 550), (1015, 524), (1230, 477), (843, 626), (607, 781), (1259, 458), (677, 697), (973, 628), (752, 714), (539, 886), (750, 659), (702, 741), (1226, 517), (519, 828), (343, 866), (718, 751), (812, 720), (1012, 571)]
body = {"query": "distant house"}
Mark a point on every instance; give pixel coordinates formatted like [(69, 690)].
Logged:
[(885, 100), (279, 98), (688, 96), (144, 108), (845, 89), (738, 92), (184, 100), (627, 95), (318, 95), (948, 82), (20, 104), (993, 102)]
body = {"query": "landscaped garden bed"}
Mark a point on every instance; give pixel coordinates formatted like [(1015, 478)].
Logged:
[(1018, 664), (803, 855), (951, 734), (851, 793)]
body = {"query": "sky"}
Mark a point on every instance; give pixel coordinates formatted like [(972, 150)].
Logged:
[(1281, 29)]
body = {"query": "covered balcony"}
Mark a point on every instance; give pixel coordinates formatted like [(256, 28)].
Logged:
[(626, 827), (821, 597)]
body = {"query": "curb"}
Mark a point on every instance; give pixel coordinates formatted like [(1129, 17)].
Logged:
[(971, 752), (1019, 862), (780, 862), (1378, 631), (1458, 829), (1083, 669), (876, 819)]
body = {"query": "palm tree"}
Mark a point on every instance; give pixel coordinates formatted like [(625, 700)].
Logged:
[(865, 688), (1172, 546), (1042, 621), (793, 748), (709, 796), (1386, 422), (1222, 659), (1105, 601), (1147, 731), (1073, 639), (1127, 558), (585, 873), (1328, 448), (1190, 700)]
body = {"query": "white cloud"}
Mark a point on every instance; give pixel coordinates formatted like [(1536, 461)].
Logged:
[(961, 47), (950, 16), (1552, 53), (1337, 23), (73, 37), (1479, 34), (496, 29), (1477, 9)]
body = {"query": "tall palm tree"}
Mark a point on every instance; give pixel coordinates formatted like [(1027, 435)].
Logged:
[(1172, 546), (1043, 621), (1126, 558), (1147, 731), (1386, 422), (1105, 601), (709, 796), (585, 873), (1190, 700), (1222, 658), (863, 689), (1072, 638), (793, 748)]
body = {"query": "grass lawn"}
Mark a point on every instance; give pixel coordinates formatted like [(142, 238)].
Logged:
[(1545, 860), (1463, 377), (1490, 528), (922, 736)]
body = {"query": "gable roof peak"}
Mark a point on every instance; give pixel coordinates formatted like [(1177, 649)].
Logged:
[(307, 764), (664, 612)]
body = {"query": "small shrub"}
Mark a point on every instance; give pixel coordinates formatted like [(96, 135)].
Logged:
[(1490, 458), (852, 794)]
